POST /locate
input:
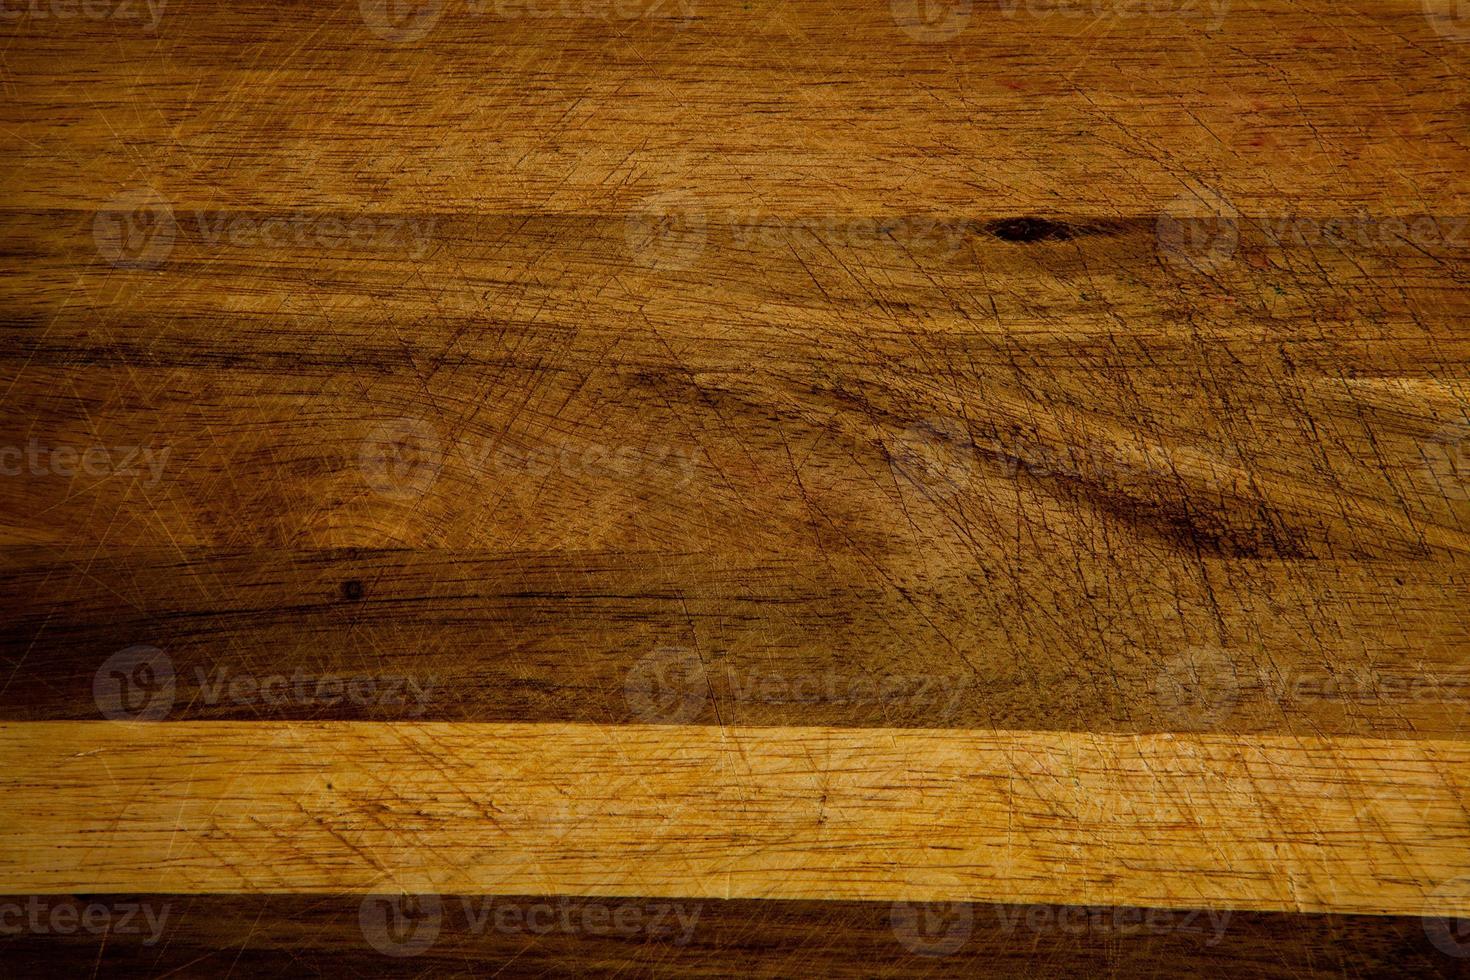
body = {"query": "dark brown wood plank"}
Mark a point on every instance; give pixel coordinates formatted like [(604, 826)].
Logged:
[(971, 473), (455, 935), (659, 637)]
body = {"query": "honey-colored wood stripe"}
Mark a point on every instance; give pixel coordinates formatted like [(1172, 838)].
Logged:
[(596, 105), (1294, 824), (538, 935)]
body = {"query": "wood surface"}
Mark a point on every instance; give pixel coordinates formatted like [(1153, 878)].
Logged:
[(709, 812), (316, 934), (851, 468)]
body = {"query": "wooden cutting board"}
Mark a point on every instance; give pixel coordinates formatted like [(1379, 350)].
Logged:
[(729, 487)]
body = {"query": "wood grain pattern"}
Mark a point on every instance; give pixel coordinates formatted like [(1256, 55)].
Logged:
[(202, 935), (686, 811), (518, 106), (866, 470), (809, 453), (1317, 649), (928, 388)]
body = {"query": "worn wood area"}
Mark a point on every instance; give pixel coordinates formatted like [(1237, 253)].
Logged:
[(470, 935), (708, 812), (869, 108), (713, 487)]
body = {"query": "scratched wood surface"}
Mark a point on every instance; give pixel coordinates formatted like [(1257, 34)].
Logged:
[(713, 487), (724, 812)]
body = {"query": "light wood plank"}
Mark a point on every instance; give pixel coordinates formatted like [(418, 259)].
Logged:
[(1293, 824)]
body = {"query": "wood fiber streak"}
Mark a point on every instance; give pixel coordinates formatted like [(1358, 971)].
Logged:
[(976, 452), (796, 108), (324, 935), (599, 636), (1283, 824), (832, 465)]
